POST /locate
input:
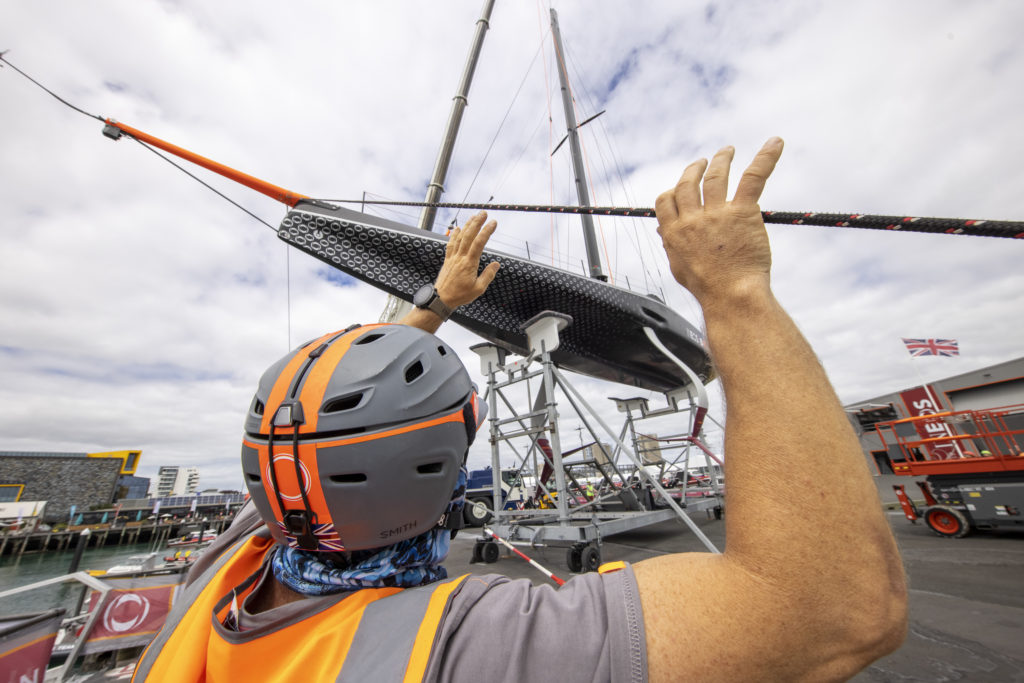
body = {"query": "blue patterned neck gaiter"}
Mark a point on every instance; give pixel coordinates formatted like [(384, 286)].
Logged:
[(406, 564)]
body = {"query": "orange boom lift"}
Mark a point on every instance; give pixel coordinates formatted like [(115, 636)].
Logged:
[(974, 470)]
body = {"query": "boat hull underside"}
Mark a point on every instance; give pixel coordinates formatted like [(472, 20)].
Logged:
[(605, 340)]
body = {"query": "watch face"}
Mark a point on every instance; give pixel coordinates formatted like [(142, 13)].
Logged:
[(423, 296)]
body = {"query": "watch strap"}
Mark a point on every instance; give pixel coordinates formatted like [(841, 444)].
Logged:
[(433, 302), (440, 308)]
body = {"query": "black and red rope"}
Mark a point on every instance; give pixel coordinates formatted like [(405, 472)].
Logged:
[(947, 226)]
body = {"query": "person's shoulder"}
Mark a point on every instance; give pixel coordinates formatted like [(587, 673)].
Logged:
[(588, 629), (495, 591)]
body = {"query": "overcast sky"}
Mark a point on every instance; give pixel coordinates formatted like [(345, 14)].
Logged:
[(139, 308)]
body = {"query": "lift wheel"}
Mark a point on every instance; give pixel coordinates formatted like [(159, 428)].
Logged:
[(947, 522), (489, 552), (583, 557), (485, 551)]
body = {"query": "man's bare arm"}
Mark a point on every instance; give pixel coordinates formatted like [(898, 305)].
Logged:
[(460, 280), (810, 586)]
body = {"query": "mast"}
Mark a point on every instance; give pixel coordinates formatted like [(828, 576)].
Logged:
[(396, 308), (589, 236), (459, 103)]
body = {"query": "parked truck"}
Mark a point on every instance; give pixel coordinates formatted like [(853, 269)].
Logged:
[(974, 466), (480, 494)]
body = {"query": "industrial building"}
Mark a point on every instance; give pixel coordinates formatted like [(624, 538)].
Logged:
[(995, 386), (66, 480)]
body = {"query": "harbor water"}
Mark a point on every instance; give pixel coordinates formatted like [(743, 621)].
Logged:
[(39, 566)]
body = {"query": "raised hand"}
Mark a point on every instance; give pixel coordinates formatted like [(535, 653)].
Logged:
[(718, 249), (460, 280)]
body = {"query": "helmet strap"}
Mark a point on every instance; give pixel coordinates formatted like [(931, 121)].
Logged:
[(273, 470), (469, 420), (298, 523), (452, 520)]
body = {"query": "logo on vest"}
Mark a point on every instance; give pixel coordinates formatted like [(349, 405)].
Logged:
[(289, 487), (126, 612)]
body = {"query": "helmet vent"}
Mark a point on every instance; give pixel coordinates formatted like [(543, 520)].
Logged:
[(343, 403), (257, 406), (254, 478), (353, 478), (443, 351), (369, 338), (413, 371), (430, 468)]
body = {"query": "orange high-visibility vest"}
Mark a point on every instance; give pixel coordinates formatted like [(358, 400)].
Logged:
[(374, 634)]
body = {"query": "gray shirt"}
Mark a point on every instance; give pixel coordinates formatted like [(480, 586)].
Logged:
[(497, 629)]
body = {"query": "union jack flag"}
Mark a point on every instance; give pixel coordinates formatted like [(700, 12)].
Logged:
[(932, 347), (326, 536)]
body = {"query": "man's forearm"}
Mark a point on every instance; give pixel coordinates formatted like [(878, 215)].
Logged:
[(810, 586), (803, 510)]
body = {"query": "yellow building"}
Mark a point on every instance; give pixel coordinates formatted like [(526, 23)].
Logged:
[(129, 459)]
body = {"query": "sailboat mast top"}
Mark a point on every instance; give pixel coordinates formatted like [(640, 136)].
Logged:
[(459, 102), (589, 236)]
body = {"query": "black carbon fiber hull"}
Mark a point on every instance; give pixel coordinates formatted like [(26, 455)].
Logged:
[(606, 339)]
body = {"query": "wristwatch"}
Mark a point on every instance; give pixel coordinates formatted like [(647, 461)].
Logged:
[(426, 297)]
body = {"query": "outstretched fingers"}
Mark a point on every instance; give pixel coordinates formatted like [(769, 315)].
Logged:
[(476, 248), (460, 280), (453, 242), (665, 209), (468, 233), (687, 190), (752, 182), (487, 277), (716, 180)]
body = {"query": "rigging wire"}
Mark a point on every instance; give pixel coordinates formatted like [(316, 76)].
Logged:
[(287, 251), (560, 57), (151, 149), (637, 232), (617, 169), (52, 94), (502, 124), (203, 182), (507, 173), (649, 281), (288, 293), (381, 209), (183, 170), (586, 161)]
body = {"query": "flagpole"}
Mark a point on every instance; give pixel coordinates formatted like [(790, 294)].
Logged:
[(921, 379), (930, 393)]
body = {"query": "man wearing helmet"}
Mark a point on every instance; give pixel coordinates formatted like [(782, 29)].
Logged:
[(354, 455)]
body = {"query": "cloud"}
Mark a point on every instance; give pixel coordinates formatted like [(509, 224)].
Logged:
[(139, 308)]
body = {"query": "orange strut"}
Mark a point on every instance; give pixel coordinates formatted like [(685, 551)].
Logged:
[(273, 191)]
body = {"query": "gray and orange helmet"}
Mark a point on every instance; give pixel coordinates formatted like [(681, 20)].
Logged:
[(355, 440)]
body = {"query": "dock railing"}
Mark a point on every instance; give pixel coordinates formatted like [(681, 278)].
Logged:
[(89, 582)]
